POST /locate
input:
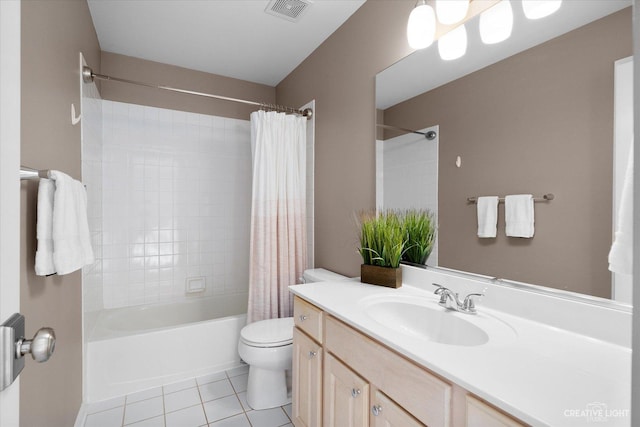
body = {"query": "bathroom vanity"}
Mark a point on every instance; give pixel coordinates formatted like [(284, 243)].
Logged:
[(366, 356)]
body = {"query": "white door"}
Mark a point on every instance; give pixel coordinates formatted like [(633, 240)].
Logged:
[(9, 185)]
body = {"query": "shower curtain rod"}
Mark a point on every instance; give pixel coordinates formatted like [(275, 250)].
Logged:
[(430, 135), (89, 76)]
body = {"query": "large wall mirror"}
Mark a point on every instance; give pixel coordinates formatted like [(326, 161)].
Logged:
[(535, 114)]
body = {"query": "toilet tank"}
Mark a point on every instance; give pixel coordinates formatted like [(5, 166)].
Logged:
[(321, 275)]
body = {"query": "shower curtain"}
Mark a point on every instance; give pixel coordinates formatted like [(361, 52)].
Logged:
[(278, 213)]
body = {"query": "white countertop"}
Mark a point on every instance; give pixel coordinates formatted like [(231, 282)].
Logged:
[(543, 375)]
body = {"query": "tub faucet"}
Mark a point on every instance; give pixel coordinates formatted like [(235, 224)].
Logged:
[(451, 301)]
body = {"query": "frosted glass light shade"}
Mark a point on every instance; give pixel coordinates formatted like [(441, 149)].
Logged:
[(453, 45), (421, 28), (536, 9), (496, 23), (451, 11)]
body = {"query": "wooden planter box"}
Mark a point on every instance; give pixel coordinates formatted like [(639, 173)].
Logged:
[(383, 276)]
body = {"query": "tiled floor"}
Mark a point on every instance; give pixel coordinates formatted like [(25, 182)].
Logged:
[(217, 400)]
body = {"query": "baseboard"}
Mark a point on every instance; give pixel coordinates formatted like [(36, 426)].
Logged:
[(82, 416)]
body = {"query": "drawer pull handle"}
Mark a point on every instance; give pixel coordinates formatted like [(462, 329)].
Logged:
[(312, 354), (376, 410), (303, 317), (355, 392)]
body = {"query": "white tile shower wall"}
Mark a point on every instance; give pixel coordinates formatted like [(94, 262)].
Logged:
[(91, 130), (410, 176), (176, 204)]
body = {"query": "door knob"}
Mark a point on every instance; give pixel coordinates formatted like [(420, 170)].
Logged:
[(13, 346), (41, 346), (376, 410)]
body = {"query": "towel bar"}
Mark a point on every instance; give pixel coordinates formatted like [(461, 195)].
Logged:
[(546, 198), (29, 173)]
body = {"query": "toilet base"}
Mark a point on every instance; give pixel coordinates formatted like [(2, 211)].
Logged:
[(267, 388)]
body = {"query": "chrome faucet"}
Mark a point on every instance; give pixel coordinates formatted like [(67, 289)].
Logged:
[(451, 301)]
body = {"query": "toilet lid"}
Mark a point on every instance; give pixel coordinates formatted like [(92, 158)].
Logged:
[(268, 333)]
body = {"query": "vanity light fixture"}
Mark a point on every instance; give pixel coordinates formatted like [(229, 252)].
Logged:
[(536, 9), (421, 28), (453, 45), (451, 11), (496, 23)]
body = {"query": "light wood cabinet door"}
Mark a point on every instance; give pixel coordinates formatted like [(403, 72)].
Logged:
[(307, 381), (346, 396), (386, 413), (480, 414)]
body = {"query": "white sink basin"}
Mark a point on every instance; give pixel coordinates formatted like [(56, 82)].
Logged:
[(425, 319)]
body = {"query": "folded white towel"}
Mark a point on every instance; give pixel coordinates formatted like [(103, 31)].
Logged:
[(621, 254), (518, 215), (487, 216), (44, 229), (71, 239)]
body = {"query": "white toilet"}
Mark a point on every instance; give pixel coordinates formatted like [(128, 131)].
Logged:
[(267, 347)]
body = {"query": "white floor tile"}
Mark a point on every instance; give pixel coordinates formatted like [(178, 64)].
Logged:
[(222, 408), (268, 418), (144, 409), (181, 399), (151, 422), (144, 395), (108, 418), (171, 388), (287, 409), (240, 370), (240, 383), (235, 421), (188, 417), (103, 405), (211, 378), (243, 401), (216, 390)]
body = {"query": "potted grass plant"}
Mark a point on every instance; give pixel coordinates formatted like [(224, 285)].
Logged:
[(420, 229), (382, 244)]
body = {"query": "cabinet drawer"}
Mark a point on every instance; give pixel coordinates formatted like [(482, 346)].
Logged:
[(480, 414), (308, 318), (421, 393)]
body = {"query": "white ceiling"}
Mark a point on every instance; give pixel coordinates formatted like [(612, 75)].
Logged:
[(423, 70), (233, 38)]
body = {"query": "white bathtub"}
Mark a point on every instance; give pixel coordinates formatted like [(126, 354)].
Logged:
[(136, 348)]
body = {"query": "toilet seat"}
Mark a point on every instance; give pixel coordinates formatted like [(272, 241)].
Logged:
[(268, 333)]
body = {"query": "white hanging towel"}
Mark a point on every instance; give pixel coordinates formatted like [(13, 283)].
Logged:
[(487, 207), (621, 254), (69, 227), (44, 228), (518, 215)]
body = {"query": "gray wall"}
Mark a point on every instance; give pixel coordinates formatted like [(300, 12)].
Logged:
[(53, 34), (183, 78), (537, 122)]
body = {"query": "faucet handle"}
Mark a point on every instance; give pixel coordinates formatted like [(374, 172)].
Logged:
[(440, 289), (468, 304), (442, 292)]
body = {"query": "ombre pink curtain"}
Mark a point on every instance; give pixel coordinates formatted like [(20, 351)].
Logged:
[(278, 213)]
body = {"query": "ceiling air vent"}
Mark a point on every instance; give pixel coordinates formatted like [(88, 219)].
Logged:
[(291, 10)]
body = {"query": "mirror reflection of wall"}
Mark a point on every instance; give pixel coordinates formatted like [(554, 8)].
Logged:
[(540, 121)]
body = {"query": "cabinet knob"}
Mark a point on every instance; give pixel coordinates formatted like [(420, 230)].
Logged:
[(355, 392), (312, 354), (376, 410), (303, 317)]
